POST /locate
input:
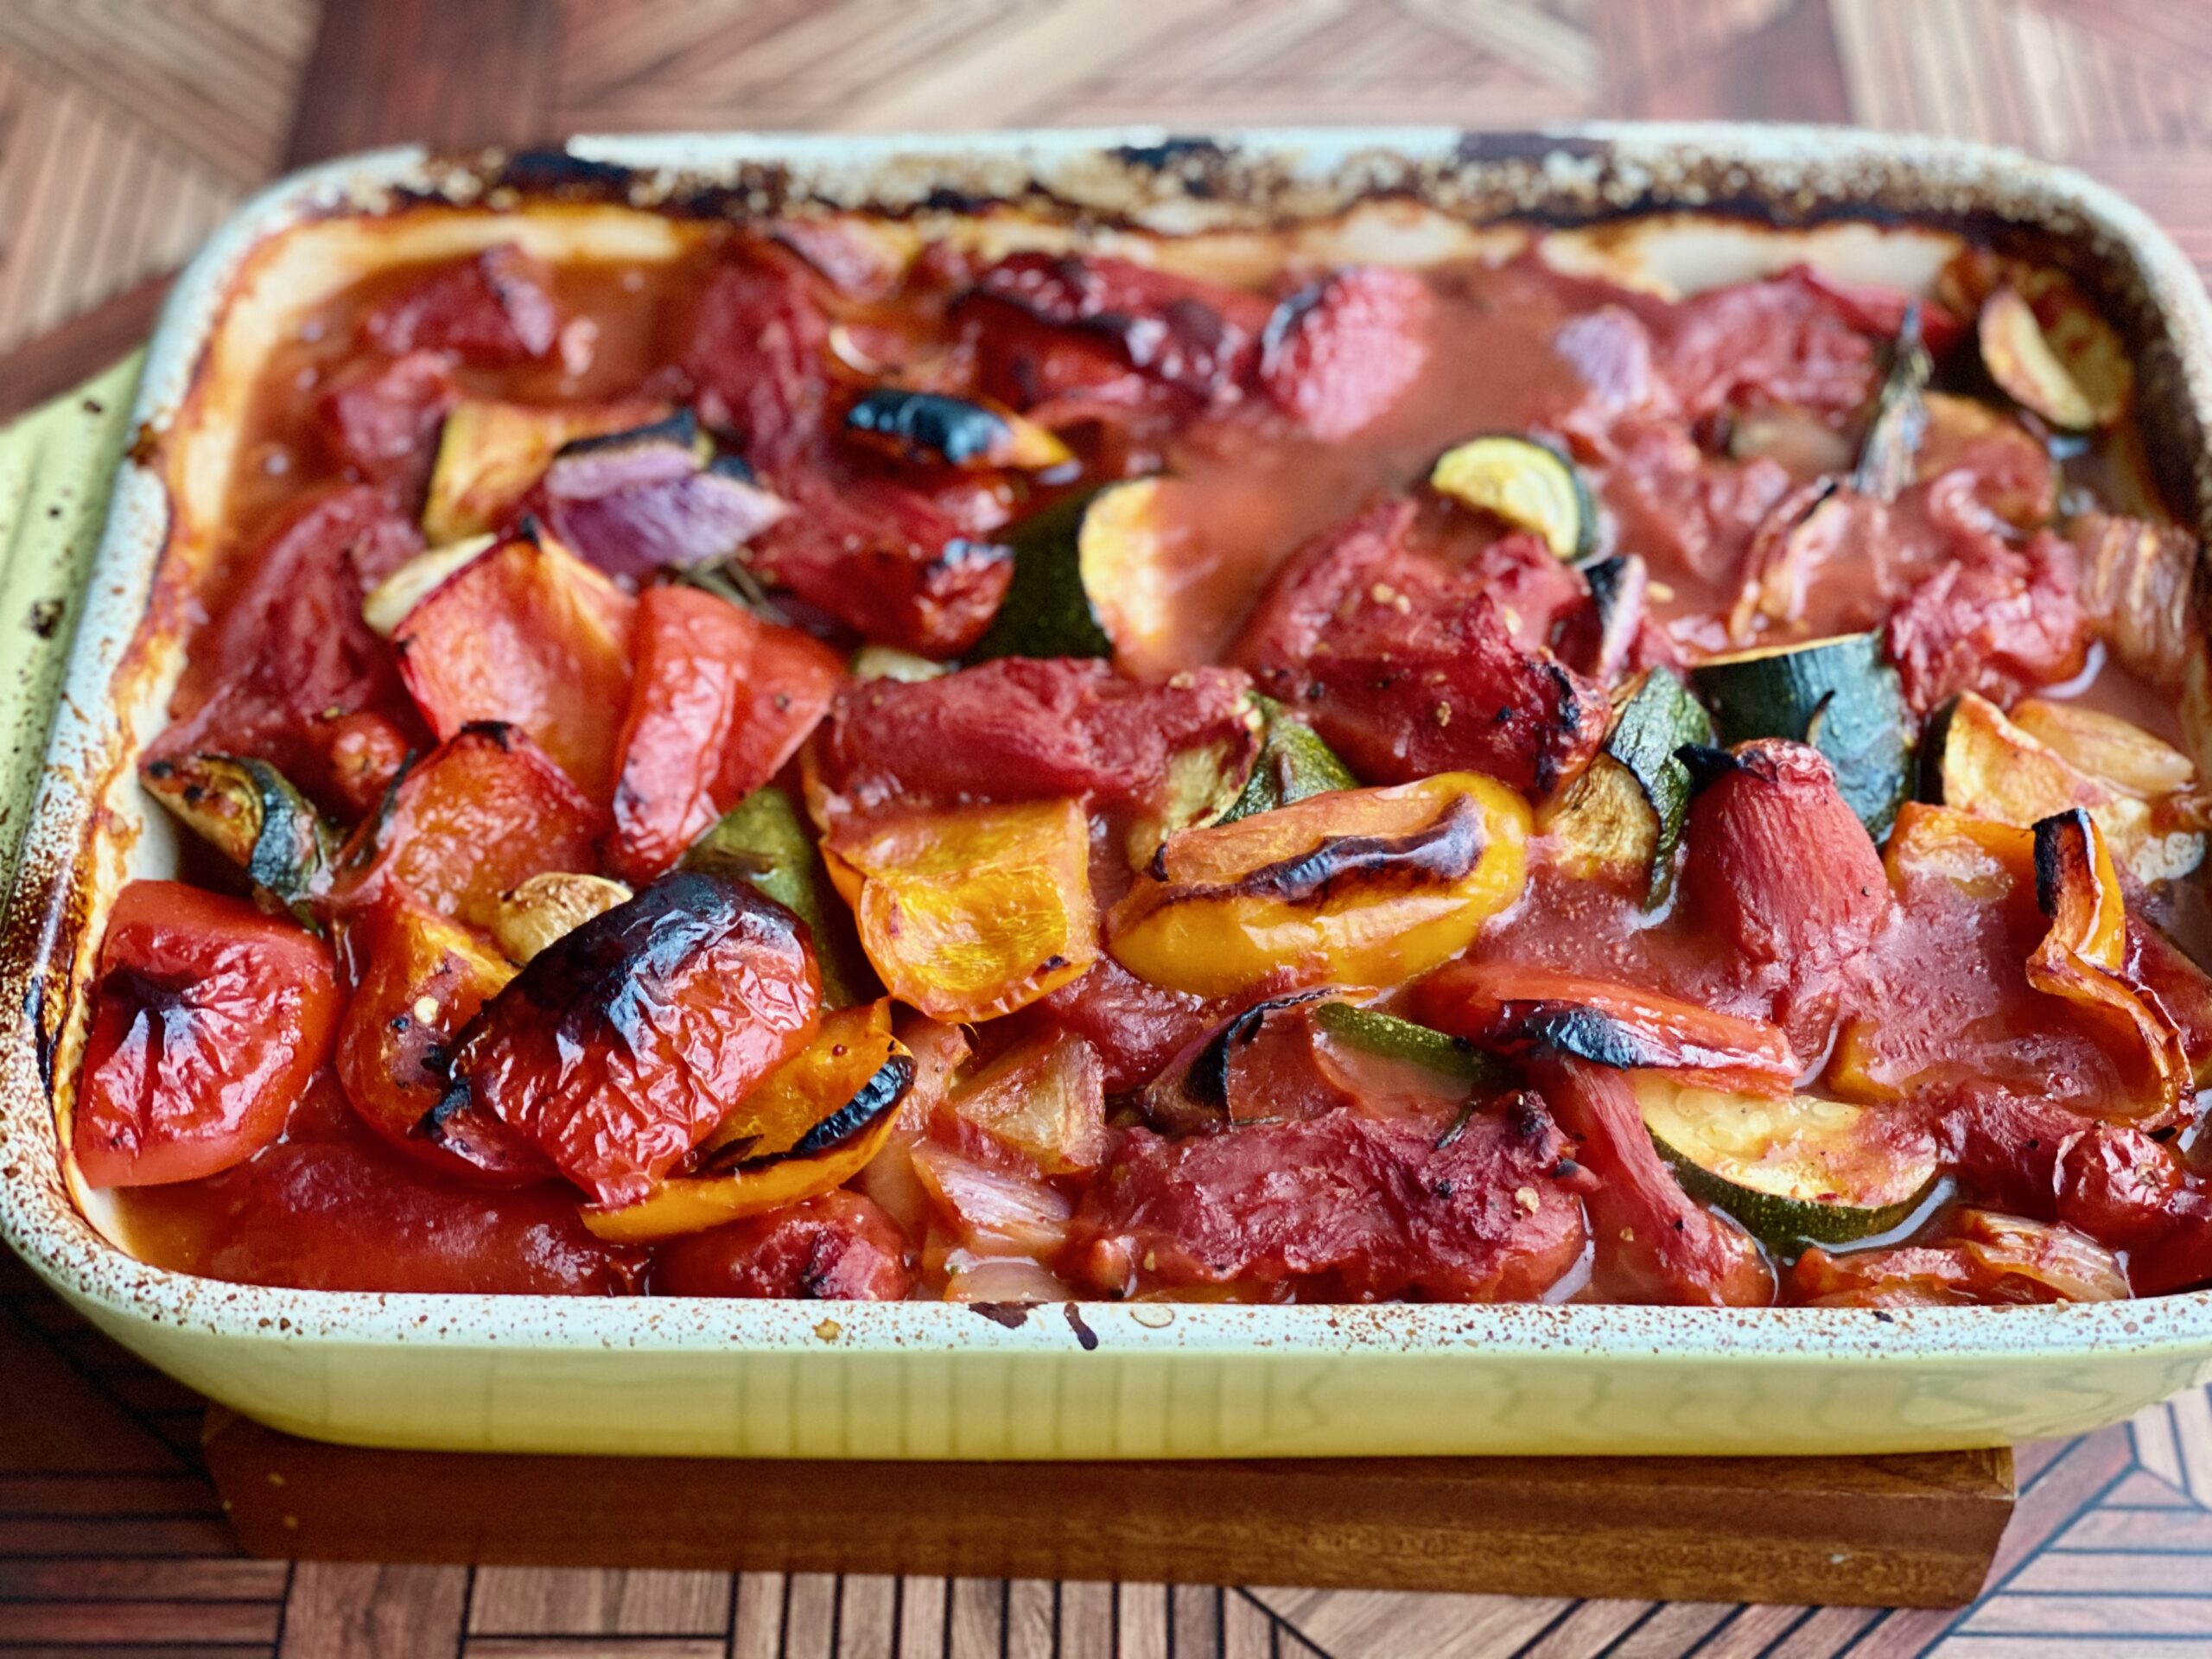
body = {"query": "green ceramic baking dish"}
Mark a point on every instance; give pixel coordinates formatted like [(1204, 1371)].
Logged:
[(930, 1380)]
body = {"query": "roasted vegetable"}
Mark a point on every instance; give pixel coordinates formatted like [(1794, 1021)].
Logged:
[(2083, 958), (2020, 360), (1525, 1010), (810, 1126), (652, 497), (1044, 1100), (546, 908), (423, 978), (387, 604), (2114, 750), (1529, 485), (528, 635), (1624, 816), (971, 912), (1599, 641), (208, 1019), (1980, 762), (248, 812), (763, 840), (1366, 886), (619, 1048), (477, 818), (1294, 764), (1979, 1258), (719, 701), (488, 309), (2012, 471), (1804, 532), (490, 454), (1887, 458), (1337, 354), (1391, 1038), (931, 428), (1090, 579), (1838, 696), (1794, 1169)]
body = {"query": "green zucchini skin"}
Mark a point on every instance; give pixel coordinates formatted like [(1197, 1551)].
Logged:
[(1394, 1039), (1294, 764), (1837, 695), (251, 813), (763, 841), (1660, 719), (1047, 611), (1892, 451)]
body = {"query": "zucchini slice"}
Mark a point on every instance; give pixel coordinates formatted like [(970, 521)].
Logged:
[(1530, 485), (1838, 695), (1888, 460), (763, 841), (1394, 1039), (250, 812), (1294, 764), (2020, 359), (1627, 811), (1793, 1170), (1088, 578)]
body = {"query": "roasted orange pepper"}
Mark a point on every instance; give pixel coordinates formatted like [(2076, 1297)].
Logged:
[(973, 911), (1366, 886)]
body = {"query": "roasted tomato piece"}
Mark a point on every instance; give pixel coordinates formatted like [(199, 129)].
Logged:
[(971, 912), (381, 423), (619, 1048), (295, 670), (1349, 1206), (1994, 620), (1985, 1257), (836, 1247), (756, 353), (1792, 339), (2166, 977), (1405, 668), (2031, 1157), (490, 309), (530, 636), (1654, 1243), (1136, 1028), (1023, 729), (482, 814), (1532, 1010), (2136, 581), (208, 1018), (720, 701), (1199, 339), (1360, 886), (422, 977), (1335, 356), (1781, 875), (1262, 1064), (886, 560), (332, 1207), (1957, 1003)]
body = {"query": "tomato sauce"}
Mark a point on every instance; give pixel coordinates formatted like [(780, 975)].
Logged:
[(1473, 922)]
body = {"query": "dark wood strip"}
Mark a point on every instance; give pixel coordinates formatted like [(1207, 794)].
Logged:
[(238, 1578), (339, 1610), (49, 363), (431, 71)]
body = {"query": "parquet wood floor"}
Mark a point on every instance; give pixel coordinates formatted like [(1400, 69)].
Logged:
[(128, 128)]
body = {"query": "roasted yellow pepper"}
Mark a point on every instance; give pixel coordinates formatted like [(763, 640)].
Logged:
[(1366, 886), (813, 1124), (973, 911)]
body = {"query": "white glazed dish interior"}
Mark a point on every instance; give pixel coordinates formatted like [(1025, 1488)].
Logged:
[(935, 1380)]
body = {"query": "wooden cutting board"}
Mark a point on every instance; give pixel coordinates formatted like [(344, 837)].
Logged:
[(1895, 1531)]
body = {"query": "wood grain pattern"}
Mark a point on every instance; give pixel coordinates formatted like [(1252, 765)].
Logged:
[(127, 127), (1876, 1530)]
